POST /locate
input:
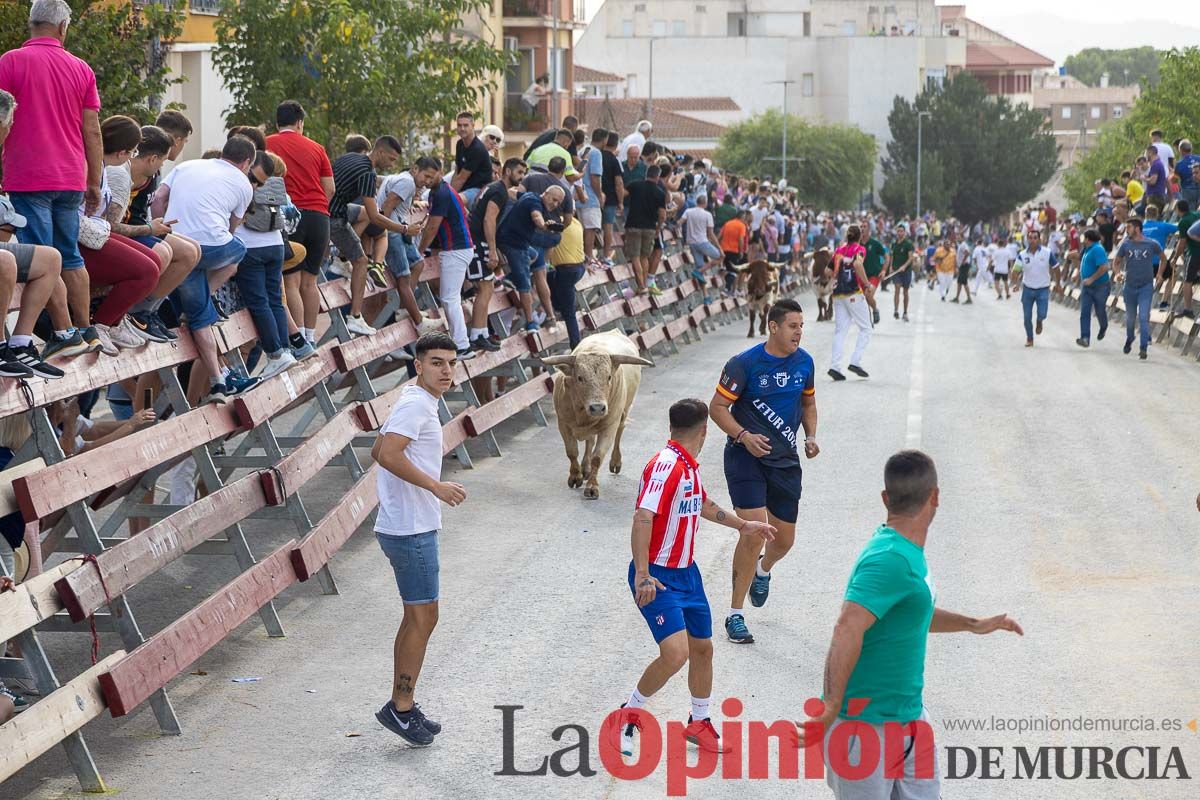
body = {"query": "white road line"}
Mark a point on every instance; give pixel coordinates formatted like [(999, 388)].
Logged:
[(916, 386)]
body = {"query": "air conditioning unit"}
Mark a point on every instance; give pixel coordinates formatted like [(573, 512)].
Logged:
[(510, 43)]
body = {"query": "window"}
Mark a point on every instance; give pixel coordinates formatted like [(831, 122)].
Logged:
[(701, 9), (849, 28), (935, 77), (640, 8), (659, 28), (806, 84), (1066, 112), (807, 24), (678, 28), (736, 25), (1117, 111), (1095, 112), (627, 28)]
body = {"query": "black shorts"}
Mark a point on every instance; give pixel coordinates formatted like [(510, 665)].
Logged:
[(733, 260), (312, 232), (1001, 277), (964, 275), (753, 484), (902, 280), (478, 270), (1192, 274)]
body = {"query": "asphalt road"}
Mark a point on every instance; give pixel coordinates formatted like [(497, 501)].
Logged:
[(1068, 483)]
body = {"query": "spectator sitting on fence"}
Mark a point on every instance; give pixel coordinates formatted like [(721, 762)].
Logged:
[(128, 268), (472, 161), (208, 198), (294, 254), (515, 237), (60, 107), (36, 266), (133, 186)]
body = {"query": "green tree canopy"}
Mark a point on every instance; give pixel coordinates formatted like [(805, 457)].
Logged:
[(983, 155), (1173, 105), (356, 65), (1129, 67), (836, 160), (115, 40)]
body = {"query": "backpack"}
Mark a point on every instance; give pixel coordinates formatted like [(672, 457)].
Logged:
[(265, 214)]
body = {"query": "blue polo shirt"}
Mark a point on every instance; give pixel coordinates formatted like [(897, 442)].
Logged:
[(1093, 259)]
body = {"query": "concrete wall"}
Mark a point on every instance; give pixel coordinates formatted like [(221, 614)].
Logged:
[(203, 94)]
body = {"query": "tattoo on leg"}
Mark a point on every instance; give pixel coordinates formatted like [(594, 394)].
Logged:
[(405, 684)]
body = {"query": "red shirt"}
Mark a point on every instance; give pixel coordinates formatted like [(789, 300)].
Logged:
[(670, 488), (307, 162)]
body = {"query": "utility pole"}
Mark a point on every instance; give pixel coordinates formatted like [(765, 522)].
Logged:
[(784, 161), (920, 116), (650, 92)]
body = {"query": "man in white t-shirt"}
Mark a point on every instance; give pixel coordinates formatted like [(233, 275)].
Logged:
[(636, 139), (411, 491), (395, 201), (206, 199), (1002, 258), (981, 256), (701, 238)]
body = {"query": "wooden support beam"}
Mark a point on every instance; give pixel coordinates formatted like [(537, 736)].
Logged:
[(270, 397), (336, 527), (57, 486), (8, 498), (621, 272), (674, 329), (33, 601), (365, 349), (303, 463), (482, 419), (699, 314), (169, 652), (53, 718), (667, 298), (651, 336), (454, 432), (236, 331)]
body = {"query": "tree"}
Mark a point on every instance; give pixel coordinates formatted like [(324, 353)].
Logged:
[(1171, 105), (988, 156), (116, 41), (355, 65), (836, 161), (1129, 67)]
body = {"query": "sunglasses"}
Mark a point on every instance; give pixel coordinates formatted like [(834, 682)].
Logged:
[(492, 138)]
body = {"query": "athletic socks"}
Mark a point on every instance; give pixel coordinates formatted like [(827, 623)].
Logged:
[(734, 611), (699, 708), (297, 340), (758, 570), (309, 333), (19, 340), (478, 332), (636, 700)]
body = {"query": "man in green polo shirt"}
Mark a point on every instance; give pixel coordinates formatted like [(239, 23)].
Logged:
[(902, 269), (875, 670)]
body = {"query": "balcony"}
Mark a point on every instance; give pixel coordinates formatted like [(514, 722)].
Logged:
[(570, 14), (519, 117)]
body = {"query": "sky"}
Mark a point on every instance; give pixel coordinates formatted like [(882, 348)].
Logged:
[(1074, 24)]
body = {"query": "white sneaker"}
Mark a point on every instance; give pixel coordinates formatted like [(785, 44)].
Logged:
[(278, 364), (358, 326), (399, 355), (428, 325), (128, 329), (107, 346), (340, 266), (628, 731)]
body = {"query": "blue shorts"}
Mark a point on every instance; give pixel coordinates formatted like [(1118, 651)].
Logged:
[(401, 254), (608, 215), (193, 295), (519, 272), (148, 241), (414, 560), (682, 605), (753, 484)]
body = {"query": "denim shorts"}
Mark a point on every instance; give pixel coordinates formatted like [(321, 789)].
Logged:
[(193, 295), (518, 259), (401, 254), (415, 561), (608, 215), (52, 219)]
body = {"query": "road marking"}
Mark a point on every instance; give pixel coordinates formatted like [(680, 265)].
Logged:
[(916, 386)]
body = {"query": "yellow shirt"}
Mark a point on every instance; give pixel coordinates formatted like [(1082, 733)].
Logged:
[(946, 259), (1134, 191), (568, 252)]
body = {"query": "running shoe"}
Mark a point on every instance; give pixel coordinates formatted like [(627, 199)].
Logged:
[(73, 345), (19, 703), (701, 733), (484, 344), (281, 363), (466, 354), (1142, 355), (148, 326), (530, 327), (159, 327), (760, 587), (433, 727), (655, 291), (304, 351), (10, 365), (126, 335), (627, 733), (92, 338), (736, 630), (1082, 342), (358, 325), (405, 724), (107, 345), (377, 276), (236, 383), (27, 356)]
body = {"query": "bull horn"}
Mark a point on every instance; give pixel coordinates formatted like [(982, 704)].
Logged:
[(565, 360), (636, 361)]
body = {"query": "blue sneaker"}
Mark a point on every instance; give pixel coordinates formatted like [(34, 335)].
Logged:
[(736, 630), (405, 724), (303, 352), (236, 383), (19, 703), (433, 727), (760, 587)]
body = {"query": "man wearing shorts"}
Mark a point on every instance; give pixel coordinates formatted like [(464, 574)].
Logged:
[(647, 205), (903, 256), (878, 648), (665, 580), (1002, 259), (411, 491), (764, 398), (590, 213)]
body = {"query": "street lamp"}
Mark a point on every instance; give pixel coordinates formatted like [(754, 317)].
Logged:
[(650, 100), (783, 161), (920, 116)]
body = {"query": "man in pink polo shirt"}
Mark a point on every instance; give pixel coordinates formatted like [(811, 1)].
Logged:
[(54, 154)]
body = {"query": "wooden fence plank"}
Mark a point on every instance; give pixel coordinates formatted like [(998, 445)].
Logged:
[(515, 346), (304, 462), (489, 415), (53, 718), (637, 305), (264, 401), (454, 432), (33, 601), (598, 317), (8, 498), (169, 652), (676, 327), (336, 527), (365, 349), (650, 337)]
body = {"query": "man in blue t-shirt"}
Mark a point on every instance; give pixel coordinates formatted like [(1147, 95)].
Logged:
[(448, 233), (1136, 256), (1188, 186), (514, 236), (764, 398), (1155, 229), (1094, 289)]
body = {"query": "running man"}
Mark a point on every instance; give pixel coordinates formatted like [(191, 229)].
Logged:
[(1002, 259), (409, 450), (878, 647), (765, 396), (664, 578), (903, 258)]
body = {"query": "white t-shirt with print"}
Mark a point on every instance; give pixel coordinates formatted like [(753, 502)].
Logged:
[(405, 509)]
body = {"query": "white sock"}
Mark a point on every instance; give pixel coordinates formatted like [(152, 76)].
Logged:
[(20, 340), (758, 570), (478, 332), (734, 611), (309, 333), (699, 708), (636, 700)]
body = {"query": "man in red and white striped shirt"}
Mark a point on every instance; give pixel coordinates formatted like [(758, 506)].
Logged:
[(664, 578)]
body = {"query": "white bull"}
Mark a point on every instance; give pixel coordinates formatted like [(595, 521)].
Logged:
[(593, 392)]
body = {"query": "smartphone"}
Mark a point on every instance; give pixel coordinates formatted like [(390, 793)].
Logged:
[(147, 398)]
